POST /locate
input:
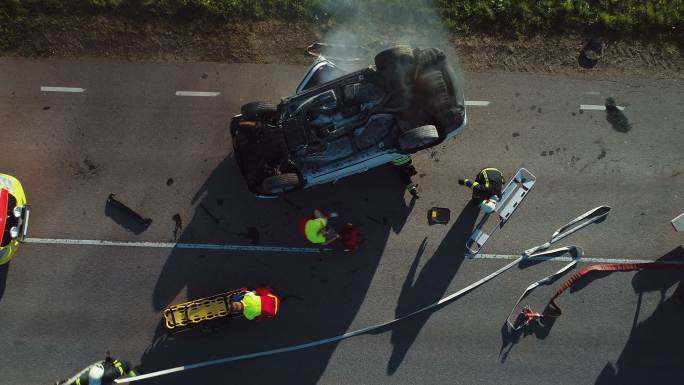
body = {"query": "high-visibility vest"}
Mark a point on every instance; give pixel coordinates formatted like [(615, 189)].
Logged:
[(312, 230), (252, 305)]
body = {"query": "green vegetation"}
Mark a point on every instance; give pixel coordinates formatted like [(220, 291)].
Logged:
[(512, 17)]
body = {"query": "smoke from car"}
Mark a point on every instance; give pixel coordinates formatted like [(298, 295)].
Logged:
[(378, 24)]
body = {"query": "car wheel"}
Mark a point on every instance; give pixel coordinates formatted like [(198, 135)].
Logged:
[(280, 183), (389, 58), (418, 138), (430, 56), (256, 110), (397, 67)]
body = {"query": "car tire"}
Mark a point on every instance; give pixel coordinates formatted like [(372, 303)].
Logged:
[(257, 110), (280, 183), (418, 138), (397, 67), (430, 57), (389, 58)]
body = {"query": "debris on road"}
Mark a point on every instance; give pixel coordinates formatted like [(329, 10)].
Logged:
[(616, 117), (439, 215), (125, 216), (590, 54)]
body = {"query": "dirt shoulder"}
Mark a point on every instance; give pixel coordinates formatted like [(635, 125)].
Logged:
[(282, 42)]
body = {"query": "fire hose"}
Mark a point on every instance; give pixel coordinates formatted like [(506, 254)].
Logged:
[(578, 223), (552, 308)]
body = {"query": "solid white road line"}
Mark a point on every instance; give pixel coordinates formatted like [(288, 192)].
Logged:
[(61, 89), (213, 246), (197, 93), (169, 245), (593, 93), (478, 103), (597, 107)]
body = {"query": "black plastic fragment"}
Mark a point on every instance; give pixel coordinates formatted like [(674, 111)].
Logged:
[(125, 216)]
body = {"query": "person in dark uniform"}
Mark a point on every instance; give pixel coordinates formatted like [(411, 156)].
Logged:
[(405, 170), (486, 188), (101, 373)]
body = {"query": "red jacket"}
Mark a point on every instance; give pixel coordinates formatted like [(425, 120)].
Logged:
[(269, 302)]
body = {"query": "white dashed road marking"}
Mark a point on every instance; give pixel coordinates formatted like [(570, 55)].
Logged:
[(61, 89), (197, 93), (477, 103), (597, 107)]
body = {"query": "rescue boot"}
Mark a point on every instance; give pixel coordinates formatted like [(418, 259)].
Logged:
[(413, 190)]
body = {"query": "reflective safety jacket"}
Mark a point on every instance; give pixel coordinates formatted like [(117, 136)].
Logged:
[(488, 183), (260, 303), (312, 230)]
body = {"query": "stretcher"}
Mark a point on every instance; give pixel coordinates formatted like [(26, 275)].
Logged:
[(516, 190), (200, 312)]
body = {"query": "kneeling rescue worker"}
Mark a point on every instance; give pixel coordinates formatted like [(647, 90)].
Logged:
[(317, 230), (101, 373), (486, 188), (256, 304)]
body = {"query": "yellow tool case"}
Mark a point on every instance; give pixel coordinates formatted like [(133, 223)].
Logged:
[(200, 311)]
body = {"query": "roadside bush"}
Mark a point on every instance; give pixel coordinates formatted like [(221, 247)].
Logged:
[(499, 16)]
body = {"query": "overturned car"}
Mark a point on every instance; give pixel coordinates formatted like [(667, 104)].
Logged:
[(410, 100)]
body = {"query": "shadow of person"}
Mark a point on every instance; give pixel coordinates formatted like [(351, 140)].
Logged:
[(4, 270), (431, 284), (653, 353), (322, 291)]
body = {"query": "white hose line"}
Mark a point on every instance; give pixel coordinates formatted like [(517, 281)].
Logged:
[(323, 341)]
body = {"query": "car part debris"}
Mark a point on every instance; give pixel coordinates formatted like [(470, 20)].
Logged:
[(528, 315), (590, 54), (439, 215), (514, 193), (554, 311), (678, 222), (339, 52), (125, 216)]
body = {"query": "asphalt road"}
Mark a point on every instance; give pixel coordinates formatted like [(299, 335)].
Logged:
[(168, 156)]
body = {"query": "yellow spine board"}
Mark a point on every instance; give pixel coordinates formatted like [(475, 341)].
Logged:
[(197, 311)]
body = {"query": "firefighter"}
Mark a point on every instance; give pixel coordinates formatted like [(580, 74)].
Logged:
[(256, 304), (486, 188), (101, 373), (405, 169)]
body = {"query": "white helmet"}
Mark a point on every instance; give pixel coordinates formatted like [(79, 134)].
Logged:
[(488, 206), (95, 374)]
